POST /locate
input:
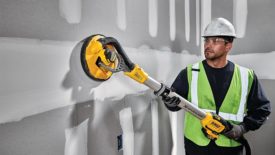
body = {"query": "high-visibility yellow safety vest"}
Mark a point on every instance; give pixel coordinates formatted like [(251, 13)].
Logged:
[(233, 107)]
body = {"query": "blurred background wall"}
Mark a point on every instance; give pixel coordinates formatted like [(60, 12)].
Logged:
[(47, 110)]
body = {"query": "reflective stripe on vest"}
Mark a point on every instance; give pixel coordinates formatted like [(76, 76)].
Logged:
[(244, 86)]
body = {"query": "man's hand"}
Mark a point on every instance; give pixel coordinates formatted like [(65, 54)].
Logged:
[(171, 101), (213, 125), (236, 131), (164, 92)]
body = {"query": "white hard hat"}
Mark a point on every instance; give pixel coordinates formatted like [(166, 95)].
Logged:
[(219, 27)]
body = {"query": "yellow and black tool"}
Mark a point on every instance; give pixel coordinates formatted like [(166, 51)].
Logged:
[(102, 56), (98, 61)]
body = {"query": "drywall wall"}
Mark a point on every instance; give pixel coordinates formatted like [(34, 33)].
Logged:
[(47, 105), (52, 76), (129, 21), (51, 87)]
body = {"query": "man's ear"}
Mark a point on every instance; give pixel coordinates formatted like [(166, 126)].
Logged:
[(228, 47)]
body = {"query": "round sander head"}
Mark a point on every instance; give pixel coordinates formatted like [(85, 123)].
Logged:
[(92, 54)]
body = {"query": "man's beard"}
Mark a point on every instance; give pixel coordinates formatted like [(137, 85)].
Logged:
[(211, 55)]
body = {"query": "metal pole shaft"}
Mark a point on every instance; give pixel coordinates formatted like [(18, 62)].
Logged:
[(184, 104)]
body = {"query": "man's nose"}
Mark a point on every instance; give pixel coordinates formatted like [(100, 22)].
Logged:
[(207, 45)]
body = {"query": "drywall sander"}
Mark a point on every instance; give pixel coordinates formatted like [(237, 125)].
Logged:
[(103, 56)]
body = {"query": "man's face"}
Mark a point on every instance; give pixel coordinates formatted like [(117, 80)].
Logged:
[(216, 47)]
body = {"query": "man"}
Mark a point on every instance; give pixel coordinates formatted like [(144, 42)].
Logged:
[(220, 86)]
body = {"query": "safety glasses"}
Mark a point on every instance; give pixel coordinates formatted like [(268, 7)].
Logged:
[(214, 40)]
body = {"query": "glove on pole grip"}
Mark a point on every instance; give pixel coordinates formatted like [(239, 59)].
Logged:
[(170, 101), (213, 125)]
